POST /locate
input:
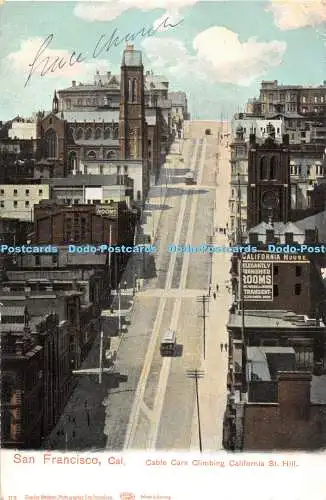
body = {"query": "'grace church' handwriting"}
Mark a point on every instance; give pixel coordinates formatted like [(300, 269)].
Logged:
[(46, 64)]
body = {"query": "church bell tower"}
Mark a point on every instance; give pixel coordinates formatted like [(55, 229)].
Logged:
[(268, 181), (132, 106)]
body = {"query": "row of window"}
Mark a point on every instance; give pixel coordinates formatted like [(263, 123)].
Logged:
[(293, 97), (97, 133), (296, 289), (15, 192), (15, 204), (298, 270)]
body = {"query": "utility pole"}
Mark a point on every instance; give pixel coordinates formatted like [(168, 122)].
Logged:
[(197, 374), (204, 299), (101, 360)]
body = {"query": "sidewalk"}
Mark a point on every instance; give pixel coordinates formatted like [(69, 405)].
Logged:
[(212, 386), (80, 426)]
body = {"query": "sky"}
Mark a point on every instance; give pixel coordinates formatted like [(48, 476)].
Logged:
[(218, 52)]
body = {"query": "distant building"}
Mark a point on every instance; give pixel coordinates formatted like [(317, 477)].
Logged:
[(17, 201)]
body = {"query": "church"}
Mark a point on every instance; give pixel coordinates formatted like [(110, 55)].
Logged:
[(116, 126)]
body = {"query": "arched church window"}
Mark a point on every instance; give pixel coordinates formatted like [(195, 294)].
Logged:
[(88, 134), (79, 133), (263, 168), (110, 155), (91, 155), (107, 133), (51, 143), (116, 133), (129, 90), (273, 168), (134, 90), (98, 133)]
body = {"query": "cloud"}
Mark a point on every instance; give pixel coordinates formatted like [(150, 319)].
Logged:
[(20, 62), (294, 14), (219, 57), (111, 9)]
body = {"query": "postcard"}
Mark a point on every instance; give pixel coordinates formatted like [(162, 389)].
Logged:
[(163, 249)]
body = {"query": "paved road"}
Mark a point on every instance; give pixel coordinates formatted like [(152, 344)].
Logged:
[(149, 402), (164, 406)]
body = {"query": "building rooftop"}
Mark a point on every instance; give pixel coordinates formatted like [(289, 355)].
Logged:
[(86, 180), (276, 319), (265, 362), (317, 221), (97, 116)]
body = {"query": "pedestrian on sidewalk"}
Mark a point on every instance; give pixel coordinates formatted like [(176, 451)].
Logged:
[(226, 347), (221, 345), (214, 295)]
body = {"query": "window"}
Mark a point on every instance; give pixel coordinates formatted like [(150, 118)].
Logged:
[(37, 260), (149, 143), (15, 192), (138, 196), (40, 192), (272, 172), (116, 133), (101, 169), (304, 99), (79, 133), (107, 133), (297, 289), (68, 104), (26, 192), (2, 191), (26, 204), (2, 204), (54, 259), (263, 168), (275, 270), (149, 154), (91, 155), (15, 204), (51, 143), (315, 99), (298, 270), (79, 102), (125, 168), (275, 290), (88, 134), (134, 90), (98, 133), (110, 155)]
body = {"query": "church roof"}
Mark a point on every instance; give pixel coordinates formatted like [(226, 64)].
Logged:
[(107, 115), (315, 221)]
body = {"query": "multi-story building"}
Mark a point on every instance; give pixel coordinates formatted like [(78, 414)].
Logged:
[(275, 98), (36, 374), (17, 201)]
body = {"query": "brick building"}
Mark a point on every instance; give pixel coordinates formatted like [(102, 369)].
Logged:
[(36, 374)]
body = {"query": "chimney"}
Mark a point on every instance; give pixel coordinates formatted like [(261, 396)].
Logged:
[(294, 394), (253, 238), (310, 236), (74, 83), (288, 238), (270, 236)]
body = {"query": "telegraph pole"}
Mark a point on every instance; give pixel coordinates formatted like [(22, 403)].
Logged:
[(204, 299), (197, 374)]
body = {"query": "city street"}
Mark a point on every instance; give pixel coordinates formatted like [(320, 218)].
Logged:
[(149, 402)]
